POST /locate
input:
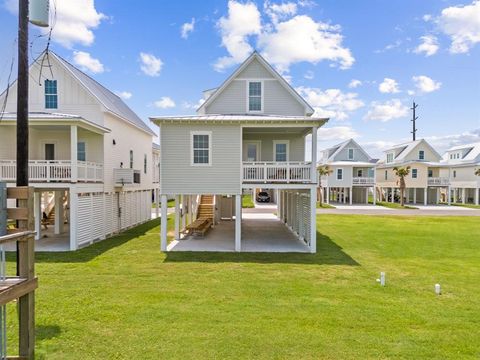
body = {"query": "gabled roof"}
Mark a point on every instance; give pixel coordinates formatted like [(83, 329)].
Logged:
[(255, 55), (339, 147), (407, 148), (107, 98), (471, 152)]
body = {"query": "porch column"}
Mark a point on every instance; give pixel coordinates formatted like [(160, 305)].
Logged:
[(73, 152), (350, 195), (163, 224), (238, 222), (313, 220), (314, 155), (463, 195), (425, 196), (449, 196), (344, 195), (37, 204), (177, 217), (476, 196), (366, 195), (374, 196), (392, 199), (414, 196), (327, 197), (454, 195), (73, 219), (58, 212), (437, 200)]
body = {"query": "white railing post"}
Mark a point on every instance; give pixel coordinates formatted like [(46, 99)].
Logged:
[(73, 153), (313, 169)]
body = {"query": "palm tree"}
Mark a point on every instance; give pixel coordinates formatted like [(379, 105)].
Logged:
[(477, 172), (322, 171), (401, 173)]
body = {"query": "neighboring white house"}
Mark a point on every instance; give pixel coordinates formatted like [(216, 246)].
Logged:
[(249, 133), (91, 158), (352, 177), (460, 164), (424, 184)]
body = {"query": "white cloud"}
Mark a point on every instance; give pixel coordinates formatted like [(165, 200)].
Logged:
[(332, 103), (336, 133), (389, 47), (11, 6), (375, 148), (150, 65), (87, 63), (386, 111), (192, 105), (125, 95), (243, 20), (309, 75), (462, 25), (354, 84), (425, 84), (165, 102), (442, 143), (388, 86), (187, 28), (427, 17), (287, 39), (429, 45)]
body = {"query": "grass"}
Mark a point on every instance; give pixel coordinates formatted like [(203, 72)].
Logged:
[(394, 205), (324, 206), (124, 299), (170, 203), (471, 206), (247, 201)]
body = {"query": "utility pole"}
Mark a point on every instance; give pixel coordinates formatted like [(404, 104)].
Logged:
[(22, 95), (414, 118)]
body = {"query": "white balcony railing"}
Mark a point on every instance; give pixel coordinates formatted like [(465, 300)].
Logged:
[(261, 171), (53, 171), (126, 176), (438, 181), (363, 181)]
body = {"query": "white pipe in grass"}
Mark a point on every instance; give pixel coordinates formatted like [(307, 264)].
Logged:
[(382, 279), (438, 289)]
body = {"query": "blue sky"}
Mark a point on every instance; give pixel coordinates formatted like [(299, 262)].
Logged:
[(359, 62)]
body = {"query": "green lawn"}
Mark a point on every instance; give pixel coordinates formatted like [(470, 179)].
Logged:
[(394, 205), (170, 203), (124, 299), (247, 201), (471, 206), (324, 206)]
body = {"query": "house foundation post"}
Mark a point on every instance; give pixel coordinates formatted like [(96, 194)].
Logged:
[(313, 220), (163, 223), (449, 196), (177, 217), (58, 212), (366, 195), (350, 195), (238, 222), (392, 199), (374, 196), (37, 204), (425, 196), (463, 196), (73, 219), (327, 196), (476, 196), (157, 202), (414, 196)]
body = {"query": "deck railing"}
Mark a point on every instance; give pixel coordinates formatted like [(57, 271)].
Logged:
[(439, 181), (363, 181), (289, 172), (124, 176), (53, 171)]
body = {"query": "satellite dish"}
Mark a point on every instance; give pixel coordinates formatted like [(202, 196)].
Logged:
[(38, 11)]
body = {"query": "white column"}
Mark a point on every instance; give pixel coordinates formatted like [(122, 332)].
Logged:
[(163, 225), (344, 195), (449, 196), (157, 202), (366, 195), (73, 219), (437, 200), (414, 196), (238, 222), (58, 212), (350, 195), (37, 204), (184, 214), (327, 197), (463, 195), (177, 217), (314, 155), (73, 152), (313, 220), (454, 195), (392, 200), (476, 196), (425, 196), (374, 195)]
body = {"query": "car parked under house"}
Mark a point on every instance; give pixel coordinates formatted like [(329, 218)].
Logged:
[(248, 134)]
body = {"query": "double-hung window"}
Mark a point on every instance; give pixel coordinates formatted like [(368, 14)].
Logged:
[(201, 148), (350, 154), (255, 96), (430, 173), (339, 174), (389, 157), (386, 174), (81, 151), (421, 155), (51, 97), (131, 159), (414, 173), (280, 150)]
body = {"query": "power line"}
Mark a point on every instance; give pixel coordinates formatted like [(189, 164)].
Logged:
[(414, 119)]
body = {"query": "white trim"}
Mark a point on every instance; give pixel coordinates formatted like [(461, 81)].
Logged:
[(209, 133), (262, 87), (259, 149), (275, 142)]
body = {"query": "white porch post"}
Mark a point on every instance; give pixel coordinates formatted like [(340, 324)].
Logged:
[(313, 220), (238, 222), (73, 152), (177, 217), (184, 214), (425, 196), (37, 204), (366, 195), (463, 195), (314, 155), (73, 219), (454, 195), (344, 195), (449, 195), (327, 197), (58, 212), (476, 196), (392, 200), (350, 195), (163, 225), (415, 196), (437, 200), (374, 195)]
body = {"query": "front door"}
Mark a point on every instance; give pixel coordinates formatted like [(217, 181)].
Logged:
[(253, 151), (49, 151)]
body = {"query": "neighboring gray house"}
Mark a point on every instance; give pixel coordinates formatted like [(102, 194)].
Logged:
[(249, 133), (352, 177)]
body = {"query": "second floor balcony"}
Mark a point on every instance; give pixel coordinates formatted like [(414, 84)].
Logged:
[(438, 181), (126, 176), (363, 181), (276, 172), (54, 171)]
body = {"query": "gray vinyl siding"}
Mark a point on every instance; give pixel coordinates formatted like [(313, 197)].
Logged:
[(177, 176), (255, 70), (279, 101), (358, 155), (296, 146), (232, 100)]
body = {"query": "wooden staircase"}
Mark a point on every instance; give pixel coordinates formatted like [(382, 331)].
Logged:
[(51, 216), (206, 207)]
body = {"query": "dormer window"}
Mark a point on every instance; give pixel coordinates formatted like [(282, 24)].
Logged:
[(350, 154), (51, 97), (421, 155), (389, 157), (255, 96)]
